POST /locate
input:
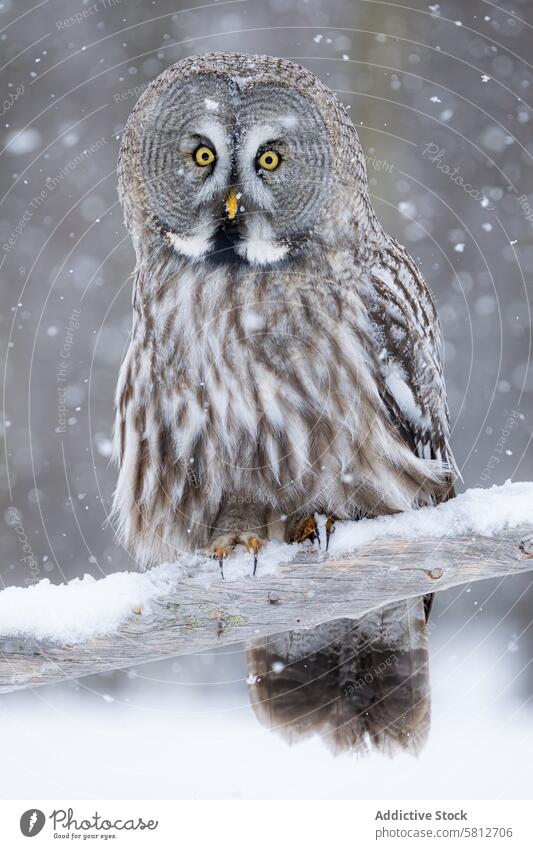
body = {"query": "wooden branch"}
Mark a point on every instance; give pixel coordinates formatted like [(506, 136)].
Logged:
[(302, 594)]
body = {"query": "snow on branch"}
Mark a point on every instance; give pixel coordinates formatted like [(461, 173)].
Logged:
[(51, 632)]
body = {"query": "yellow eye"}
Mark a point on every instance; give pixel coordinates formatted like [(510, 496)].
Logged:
[(269, 160), (204, 156)]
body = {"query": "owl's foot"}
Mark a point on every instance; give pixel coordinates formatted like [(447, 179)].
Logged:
[(330, 529), (222, 546), (304, 529)]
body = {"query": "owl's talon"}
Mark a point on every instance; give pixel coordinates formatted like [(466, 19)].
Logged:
[(330, 529), (254, 544), (222, 546), (306, 530), (220, 553)]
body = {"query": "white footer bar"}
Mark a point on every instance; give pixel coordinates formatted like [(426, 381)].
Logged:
[(264, 824)]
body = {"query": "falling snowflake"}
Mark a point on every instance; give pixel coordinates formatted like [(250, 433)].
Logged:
[(512, 645)]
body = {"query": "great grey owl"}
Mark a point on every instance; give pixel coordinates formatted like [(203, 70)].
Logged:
[(285, 357)]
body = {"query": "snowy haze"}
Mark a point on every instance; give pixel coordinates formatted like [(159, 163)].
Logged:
[(184, 729)]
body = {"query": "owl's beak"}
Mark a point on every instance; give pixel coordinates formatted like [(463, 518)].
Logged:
[(231, 204)]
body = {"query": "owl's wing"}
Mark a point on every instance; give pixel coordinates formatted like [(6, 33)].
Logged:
[(408, 348)]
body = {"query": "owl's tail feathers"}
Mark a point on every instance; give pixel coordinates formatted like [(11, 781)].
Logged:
[(360, 685)]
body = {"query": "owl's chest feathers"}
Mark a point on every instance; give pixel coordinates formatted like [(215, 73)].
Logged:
[(270, 363)]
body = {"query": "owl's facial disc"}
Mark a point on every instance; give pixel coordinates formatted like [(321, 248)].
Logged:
[(236, 171)]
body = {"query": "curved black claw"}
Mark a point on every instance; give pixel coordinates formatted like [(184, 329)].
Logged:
[(220, 558), (255, 563), (330, 529)]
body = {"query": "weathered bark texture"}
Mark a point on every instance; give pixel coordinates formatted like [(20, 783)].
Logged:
[(300, 595)]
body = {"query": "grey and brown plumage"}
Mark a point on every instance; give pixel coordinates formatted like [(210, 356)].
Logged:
[(285, 356), (282, 362)]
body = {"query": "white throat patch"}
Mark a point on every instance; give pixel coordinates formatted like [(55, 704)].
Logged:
[(192, 246), (259, 246)]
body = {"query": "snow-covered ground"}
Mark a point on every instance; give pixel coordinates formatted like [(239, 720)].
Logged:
[(86, 606), (159, 735)]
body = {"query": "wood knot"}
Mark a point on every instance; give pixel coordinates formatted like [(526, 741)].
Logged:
[(526, 547), (273, 598), (435, 574)]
